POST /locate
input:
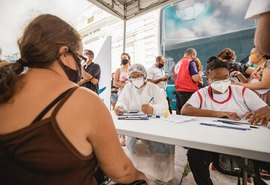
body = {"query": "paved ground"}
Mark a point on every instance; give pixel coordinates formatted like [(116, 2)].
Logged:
[(179, 179)]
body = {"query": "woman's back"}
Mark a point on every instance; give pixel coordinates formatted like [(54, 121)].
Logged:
[(36, 89), (66, 141), (41, 149)]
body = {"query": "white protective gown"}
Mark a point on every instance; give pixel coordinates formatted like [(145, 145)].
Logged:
[(154, 159)]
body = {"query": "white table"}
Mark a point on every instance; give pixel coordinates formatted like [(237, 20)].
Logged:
[(251, 144)]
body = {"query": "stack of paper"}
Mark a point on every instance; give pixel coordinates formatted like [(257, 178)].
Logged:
[(133, 116)]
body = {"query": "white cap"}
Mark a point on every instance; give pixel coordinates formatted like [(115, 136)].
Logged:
[(137, 67)]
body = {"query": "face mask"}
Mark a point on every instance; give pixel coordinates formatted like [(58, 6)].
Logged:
[(86, 58), (138, 83), (221, 85), (160, 66), (73, 75), (124, 61)]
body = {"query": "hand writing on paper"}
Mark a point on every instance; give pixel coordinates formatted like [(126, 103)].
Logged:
[(147, 109), (119, 110)]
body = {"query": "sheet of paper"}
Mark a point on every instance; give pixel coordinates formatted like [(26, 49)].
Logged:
[(134, 114), (179, 118)]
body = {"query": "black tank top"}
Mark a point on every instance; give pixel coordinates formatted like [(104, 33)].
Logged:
[(41, 154)]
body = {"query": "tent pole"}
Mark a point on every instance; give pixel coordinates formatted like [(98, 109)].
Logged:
[(124, 36)]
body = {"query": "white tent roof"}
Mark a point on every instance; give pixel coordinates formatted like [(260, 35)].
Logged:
[(126, 9)]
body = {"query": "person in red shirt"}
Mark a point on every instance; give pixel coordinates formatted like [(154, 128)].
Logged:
[(186, 78)]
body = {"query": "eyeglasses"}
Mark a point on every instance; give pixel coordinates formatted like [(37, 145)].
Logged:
[(135, 78), (218, 81), (79, 58)]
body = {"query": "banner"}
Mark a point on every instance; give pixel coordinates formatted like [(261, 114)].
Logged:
[(102, 52)]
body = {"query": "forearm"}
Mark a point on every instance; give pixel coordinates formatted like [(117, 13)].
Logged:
[(196, 78), (255, 86), (87, 76), (129, 175), (82, 81), (192, 111), (155, 81), (241, 78), (119, 84)]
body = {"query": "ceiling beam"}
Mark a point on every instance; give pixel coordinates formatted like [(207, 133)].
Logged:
[(107, 7), (120, 8), (160, 3)]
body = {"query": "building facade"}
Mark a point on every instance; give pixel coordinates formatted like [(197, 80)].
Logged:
[(141, 34)]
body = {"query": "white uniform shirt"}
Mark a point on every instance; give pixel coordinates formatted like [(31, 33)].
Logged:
[(154, 73), (236, 99), (257, 7), (131, 98)]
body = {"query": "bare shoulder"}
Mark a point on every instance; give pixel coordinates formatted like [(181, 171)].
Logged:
[(94, 116), (83, 104), (85, 110), (87, 100)]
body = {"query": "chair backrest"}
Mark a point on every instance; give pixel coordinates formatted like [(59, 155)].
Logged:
[(234, 166), (227, 164)]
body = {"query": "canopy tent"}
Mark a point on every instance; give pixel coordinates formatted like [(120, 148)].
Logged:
[(127, 9)]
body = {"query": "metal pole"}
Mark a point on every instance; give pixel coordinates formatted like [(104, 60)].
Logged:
[(244, 181), (124, 36)]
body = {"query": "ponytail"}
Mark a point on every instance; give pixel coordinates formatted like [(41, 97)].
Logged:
[(9, 73)]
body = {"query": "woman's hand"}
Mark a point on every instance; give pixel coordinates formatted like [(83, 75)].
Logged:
[(230, 115), (94, 81), (260, 117), (235, 73), (119, 110), (147, 109)]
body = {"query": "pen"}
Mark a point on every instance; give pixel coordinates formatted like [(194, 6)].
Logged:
[(153, 116), (235, 123), (235, 128), (151, 100), (232, 122)]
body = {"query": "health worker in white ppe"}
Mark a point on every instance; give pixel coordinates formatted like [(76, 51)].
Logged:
[(141, 95), (155, 159)]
